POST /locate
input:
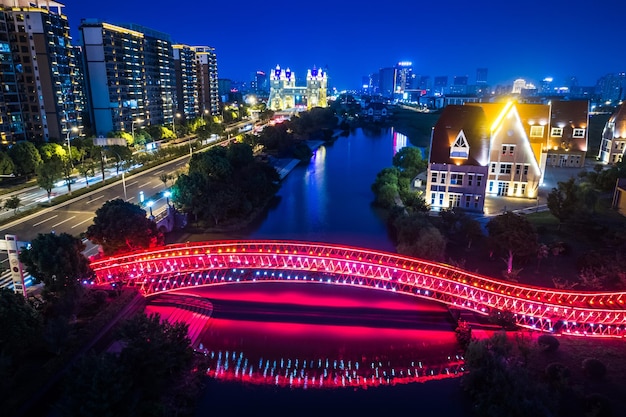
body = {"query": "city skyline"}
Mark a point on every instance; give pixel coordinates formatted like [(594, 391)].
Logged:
[(556, 40)]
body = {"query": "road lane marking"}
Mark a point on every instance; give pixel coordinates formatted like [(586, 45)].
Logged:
[(143, 185), (132, 183), (84, 221), (160, 172), (94, 199), (157, 186), (132, 198), (61, 222), (43, 221)]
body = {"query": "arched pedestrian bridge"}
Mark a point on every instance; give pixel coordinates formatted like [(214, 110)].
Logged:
[(173, 267)]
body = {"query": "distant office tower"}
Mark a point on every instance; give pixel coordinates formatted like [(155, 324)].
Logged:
[(612, 87), (224, 85), (518, 86), (375, 82), (160, 87), (441, 83), (386, 81), (481, 76), (424, 83), (546, 86), (40, 96), (459, 85), (208, 89), (260, 84), (403, 79), (186, 71)]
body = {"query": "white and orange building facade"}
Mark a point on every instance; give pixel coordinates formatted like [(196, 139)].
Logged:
[(500, 149)]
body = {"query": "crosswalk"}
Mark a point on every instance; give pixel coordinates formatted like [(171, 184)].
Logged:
[(7, 282)]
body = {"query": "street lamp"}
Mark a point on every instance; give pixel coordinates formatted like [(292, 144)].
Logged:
[(69, 148)]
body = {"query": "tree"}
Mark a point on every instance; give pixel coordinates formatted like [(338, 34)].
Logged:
[(120, 154), (98, 385), (120, 226), (87, 168), (57, 261), (26, 158), (512, 236), (20, 324), (563, 201), (410, 161), (48, 173), (7, 167), (155, 352), (13, 203)]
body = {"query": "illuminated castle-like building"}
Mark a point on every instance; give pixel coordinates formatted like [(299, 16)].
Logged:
[(284, 94)]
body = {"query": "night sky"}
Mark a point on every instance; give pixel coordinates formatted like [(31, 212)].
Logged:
[(532, 39)]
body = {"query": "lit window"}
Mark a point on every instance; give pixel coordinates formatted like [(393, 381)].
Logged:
[(557, 132), (460, 147), (536, 131), (505, 168), (579, 133)]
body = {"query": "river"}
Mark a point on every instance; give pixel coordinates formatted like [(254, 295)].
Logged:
[(265, 331)]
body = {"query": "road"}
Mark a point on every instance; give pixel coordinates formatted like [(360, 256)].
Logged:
[(75, 216)]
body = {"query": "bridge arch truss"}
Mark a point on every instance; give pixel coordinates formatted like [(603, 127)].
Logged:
[(173, 267)]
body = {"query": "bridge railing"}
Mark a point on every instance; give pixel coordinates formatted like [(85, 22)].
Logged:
[(209, 263)]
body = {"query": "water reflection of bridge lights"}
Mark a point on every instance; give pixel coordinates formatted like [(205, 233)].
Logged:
[(325, 372), (598, 314)]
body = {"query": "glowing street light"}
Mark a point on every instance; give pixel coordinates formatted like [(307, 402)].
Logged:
[(132, 128), (174, 123), (69, 148), (150, 204)]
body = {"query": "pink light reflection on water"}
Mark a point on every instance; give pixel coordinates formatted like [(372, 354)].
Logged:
[(307, 355)]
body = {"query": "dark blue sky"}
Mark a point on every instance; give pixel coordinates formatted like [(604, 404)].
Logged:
[(532, 39)]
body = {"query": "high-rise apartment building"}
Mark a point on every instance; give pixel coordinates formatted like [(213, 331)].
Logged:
[(186, 70), (208, 91), (115, 73), (40, 96), (159, 75)]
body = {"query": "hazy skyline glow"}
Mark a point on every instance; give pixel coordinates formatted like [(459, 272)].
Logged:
[(532, 40)]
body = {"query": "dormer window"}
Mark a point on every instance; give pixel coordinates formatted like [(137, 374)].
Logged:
[(579, 133), (556, 132), (460, 147), (536, 131)]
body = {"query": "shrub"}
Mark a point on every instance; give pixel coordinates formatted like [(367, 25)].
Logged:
[(463, 334), (557, 374), (548, 343), (598, 405), (594, 368)]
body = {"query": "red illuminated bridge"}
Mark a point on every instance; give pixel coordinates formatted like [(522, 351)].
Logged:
[(173, 267)]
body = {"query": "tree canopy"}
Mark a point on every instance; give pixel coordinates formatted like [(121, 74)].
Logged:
[(120, 226), (26, 158), (512, 235), (57, 261), (224, 183)]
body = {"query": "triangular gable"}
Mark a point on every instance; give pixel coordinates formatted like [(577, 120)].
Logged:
[(509, 125), (460, 147)]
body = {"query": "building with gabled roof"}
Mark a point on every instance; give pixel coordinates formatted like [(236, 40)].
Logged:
[(459, 159), (613, 144), (569, 129), (499, 149)]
